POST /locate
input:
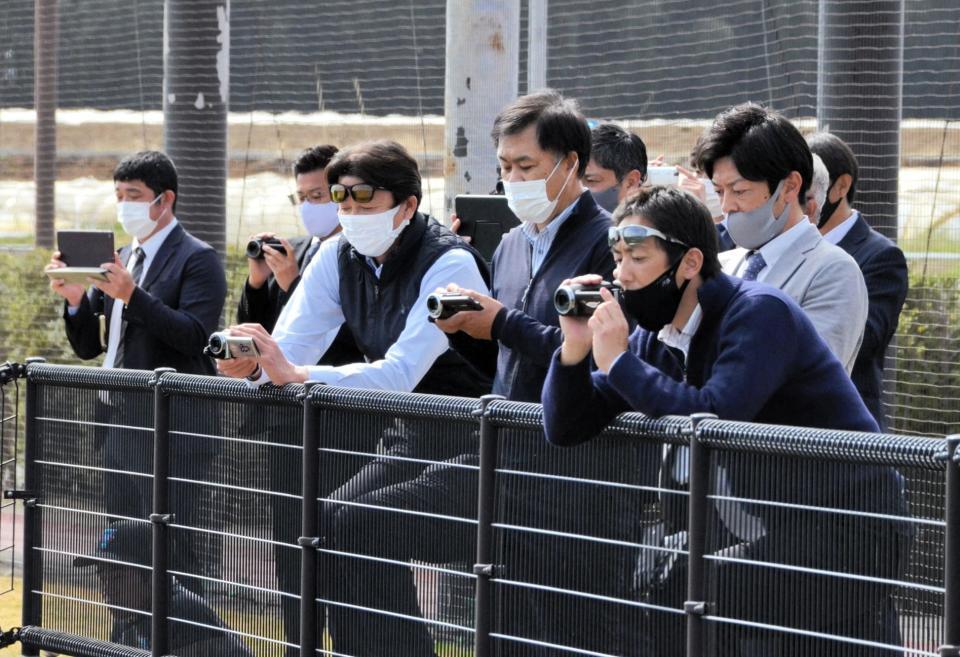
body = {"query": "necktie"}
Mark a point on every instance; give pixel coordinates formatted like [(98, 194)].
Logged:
[(312, 251), (135, 273), (755, 264)]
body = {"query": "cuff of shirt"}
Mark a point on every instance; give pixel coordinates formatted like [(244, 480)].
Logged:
[(259, 381)]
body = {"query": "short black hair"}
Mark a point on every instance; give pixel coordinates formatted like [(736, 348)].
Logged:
[(561, 127), (763, 145), (838, 157), (677, 214), (620, 151), (314, 159), (382, 163), (153, 168)]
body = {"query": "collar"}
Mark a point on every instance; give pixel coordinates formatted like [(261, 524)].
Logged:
[(838, 233), (152, 245), (681, 339), (773, 250), (530, 230)]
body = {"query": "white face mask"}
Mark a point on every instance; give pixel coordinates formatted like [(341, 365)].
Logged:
[(134, 216), (320, 219), (528, 199), (372, 234)]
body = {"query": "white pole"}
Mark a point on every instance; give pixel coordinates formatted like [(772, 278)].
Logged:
[(483, 42), (537, 45)]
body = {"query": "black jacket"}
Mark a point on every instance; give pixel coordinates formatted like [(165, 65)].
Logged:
[(885, 273), (170, 315)]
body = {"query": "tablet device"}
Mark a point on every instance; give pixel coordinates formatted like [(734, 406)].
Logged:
[(83, 251), (484, 219)]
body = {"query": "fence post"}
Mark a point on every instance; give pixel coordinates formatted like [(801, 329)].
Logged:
[(481, 78), (160, 518), (309, 540), (32, 540), (486, 499), (951, 553), (696, 605), (863, 104), (45, 100), (196, 93)]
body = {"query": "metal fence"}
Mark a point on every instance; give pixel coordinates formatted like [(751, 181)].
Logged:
[(426, 525)]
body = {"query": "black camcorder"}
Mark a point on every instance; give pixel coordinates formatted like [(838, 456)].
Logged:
[(222, 345), (442, 306), (255, 247), (582, 300)]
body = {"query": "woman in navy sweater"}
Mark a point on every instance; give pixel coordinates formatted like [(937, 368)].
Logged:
[(707, 342)]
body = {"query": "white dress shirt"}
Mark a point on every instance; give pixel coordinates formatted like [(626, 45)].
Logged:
[(150, 249), (838, 233), (775, 248), (540, 241), (310, 321)]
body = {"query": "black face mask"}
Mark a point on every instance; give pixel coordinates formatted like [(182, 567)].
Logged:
[(654, 305), (828, 208)]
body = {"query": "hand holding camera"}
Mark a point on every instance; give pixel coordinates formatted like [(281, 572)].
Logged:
[(266, 355), (454, 300), (266, 254), (591, 320)]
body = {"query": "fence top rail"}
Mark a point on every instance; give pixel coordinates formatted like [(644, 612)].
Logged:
[(82, 376), (826, 444), (525, 415), (395, 403), (228, 389)]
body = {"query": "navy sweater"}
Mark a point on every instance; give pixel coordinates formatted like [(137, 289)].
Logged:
[(756, 357), (527, 327)]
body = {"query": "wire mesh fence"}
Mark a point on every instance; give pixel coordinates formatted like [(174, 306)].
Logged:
[(360, 69), (436, 525)]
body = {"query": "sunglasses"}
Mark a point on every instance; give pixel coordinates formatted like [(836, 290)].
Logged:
[(361, 192), (634, 234)]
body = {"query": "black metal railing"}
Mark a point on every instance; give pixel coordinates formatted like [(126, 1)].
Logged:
[(351, 522)]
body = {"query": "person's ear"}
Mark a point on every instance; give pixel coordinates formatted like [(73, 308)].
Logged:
[(791, 187), (409, 208), (841, 187), (690, 265), (632, 180)]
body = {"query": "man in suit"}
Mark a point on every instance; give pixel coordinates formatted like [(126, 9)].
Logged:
[(761, 167), (882, 263), (160, 302)]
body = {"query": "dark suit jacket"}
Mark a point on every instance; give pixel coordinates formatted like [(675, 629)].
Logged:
[(885, 273), (263, 306), (724, 241), (170, 315)]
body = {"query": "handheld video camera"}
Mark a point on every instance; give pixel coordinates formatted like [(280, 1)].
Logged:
[(442, 306), (222, 345), (255, 247), (582, 300)]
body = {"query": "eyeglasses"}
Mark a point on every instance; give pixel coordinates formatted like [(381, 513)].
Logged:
[(361, 192), (635, 234)]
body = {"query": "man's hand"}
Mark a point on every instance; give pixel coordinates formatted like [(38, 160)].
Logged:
[(577, 334), (72, 292), (283, 265), (272, 360), (610, 331), (475, 323), (257, 268), (119, 283), (455, 228), (689, 181), (237, 368)]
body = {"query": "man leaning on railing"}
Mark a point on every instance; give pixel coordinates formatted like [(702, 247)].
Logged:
[(708, 342)]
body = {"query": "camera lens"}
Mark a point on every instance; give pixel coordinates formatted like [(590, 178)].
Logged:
[(217, 344), (564, 300), (434, 306), (254, 249)]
